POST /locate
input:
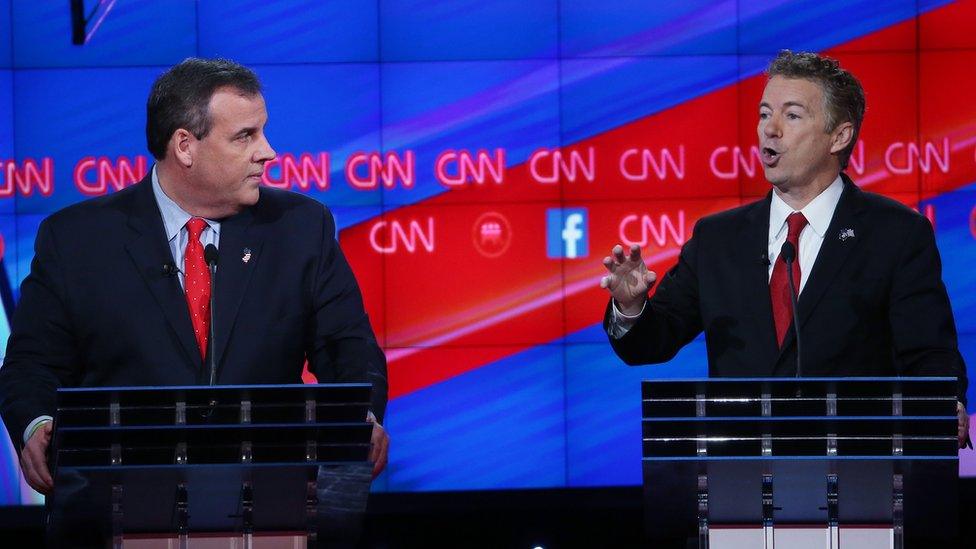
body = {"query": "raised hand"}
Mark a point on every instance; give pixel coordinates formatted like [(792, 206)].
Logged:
[(629, 279)]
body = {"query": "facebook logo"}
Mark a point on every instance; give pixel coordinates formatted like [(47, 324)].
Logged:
[(566, 233)]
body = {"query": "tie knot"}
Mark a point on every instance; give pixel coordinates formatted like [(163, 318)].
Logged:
[(795, 223), (195, 227)]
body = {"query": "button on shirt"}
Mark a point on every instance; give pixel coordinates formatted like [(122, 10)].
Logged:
[(818, 212), (174, 223)]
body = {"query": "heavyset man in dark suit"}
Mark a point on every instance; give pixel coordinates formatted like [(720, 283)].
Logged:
[(119, 288), (868, 274)]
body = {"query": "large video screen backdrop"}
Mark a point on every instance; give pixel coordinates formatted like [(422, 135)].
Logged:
[(481, 157)]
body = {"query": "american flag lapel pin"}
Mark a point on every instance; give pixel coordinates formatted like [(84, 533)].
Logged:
[(845, 234), (247, 255)]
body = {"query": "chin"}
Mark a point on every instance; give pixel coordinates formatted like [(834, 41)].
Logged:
[(775, 178), (250, 198)]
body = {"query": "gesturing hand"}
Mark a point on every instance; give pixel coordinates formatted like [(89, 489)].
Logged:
[(629, 279)]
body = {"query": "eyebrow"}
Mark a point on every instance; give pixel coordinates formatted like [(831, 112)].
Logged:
[(787, 104)]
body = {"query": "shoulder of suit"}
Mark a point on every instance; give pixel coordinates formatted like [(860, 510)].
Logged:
[(93, 211), (279, 200), (728, 219), (886, 211)]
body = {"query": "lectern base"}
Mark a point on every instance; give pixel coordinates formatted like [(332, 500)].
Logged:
[(217, 541), (801, 537)]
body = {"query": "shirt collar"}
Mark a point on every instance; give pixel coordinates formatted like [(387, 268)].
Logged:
[(818, 212), (174, 217)]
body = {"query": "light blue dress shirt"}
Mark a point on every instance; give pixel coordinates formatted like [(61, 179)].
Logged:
[(174, 223)]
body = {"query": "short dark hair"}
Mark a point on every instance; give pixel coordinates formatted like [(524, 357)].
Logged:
[(180, 98), (843, 94)]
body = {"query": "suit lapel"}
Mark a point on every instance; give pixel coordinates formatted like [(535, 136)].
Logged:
[(833, 253), (240, 250), (753, 264), (149, 251)]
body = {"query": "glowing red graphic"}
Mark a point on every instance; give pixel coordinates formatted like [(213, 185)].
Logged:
[(107, 174), (387, 237), (26, 177), (546, 165), (300, 173), (492, 234), (386, 169), (475, 168)]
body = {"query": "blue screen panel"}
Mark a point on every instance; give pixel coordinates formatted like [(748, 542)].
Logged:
[(955, 235), (500, 426), (331, 109), (603, 410), (767, 27), (431, 107), (120, 33), (81, 131), (618, 28), (6, 140), (291, 31), (600, 94), (431, 30), (6, 41)]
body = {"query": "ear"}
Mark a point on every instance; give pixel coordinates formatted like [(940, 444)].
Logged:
[(183, 144), (841, 137)]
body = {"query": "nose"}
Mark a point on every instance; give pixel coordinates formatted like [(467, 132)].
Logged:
[(264, 152), (770, 127)]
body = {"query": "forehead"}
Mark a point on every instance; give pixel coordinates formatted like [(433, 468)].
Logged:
[(780, 90), (231, 106)]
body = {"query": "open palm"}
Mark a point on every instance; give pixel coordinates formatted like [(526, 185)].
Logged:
[(628, 279)]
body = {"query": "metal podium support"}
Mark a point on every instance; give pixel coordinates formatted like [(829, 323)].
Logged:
[(778, 462), (206, 462)]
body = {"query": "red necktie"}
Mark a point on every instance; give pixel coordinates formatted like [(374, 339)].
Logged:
[(196, 284), (779, 285)]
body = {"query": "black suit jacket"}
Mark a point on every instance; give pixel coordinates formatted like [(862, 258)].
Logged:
[(98, 310), (873, 305)]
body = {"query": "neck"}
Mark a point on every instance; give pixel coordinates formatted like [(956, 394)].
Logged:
[(174, 184), (798, 196)]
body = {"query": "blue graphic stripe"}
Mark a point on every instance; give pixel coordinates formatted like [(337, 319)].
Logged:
[(42, 35), (290, 31), (500, 426)]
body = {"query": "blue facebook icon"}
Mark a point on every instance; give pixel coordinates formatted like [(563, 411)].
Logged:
[(567, 233)]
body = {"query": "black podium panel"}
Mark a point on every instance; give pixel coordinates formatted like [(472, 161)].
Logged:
[(209, 459), (808, 451)]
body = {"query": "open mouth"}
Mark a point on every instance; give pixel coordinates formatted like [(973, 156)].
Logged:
[(770, 156)]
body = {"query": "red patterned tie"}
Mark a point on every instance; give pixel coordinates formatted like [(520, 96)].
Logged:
[(196, 282), (779, 286)]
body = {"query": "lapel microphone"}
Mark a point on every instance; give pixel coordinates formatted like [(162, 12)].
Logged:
[(169, 270), (210, 256), (788, 252)]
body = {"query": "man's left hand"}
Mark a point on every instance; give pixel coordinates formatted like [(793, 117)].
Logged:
[(379, 446), (963, 425)]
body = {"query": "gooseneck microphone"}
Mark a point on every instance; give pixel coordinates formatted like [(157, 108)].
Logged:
[(210, 256), (788, 251)]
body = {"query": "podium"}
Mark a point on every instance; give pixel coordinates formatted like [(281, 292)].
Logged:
[(801, 462), (227, 465)]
